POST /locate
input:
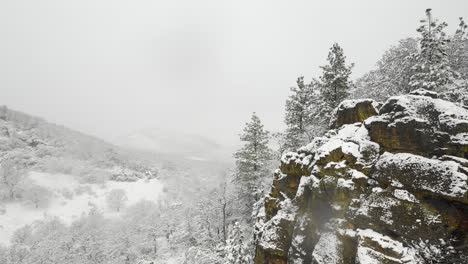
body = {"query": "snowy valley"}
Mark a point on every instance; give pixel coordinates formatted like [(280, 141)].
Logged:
[(57, 178)]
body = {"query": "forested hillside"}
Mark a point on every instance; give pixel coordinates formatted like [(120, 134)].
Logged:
[(32, 143)]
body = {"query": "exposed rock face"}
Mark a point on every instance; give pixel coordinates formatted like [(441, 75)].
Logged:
[(352, 111), (392, 188), (420, 125)]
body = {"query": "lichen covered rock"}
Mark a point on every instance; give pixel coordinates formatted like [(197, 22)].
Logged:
[(388, 189)]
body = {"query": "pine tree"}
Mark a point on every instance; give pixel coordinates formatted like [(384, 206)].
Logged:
[(335, 79), (297, 118), (252, 163), (392, 74), (432, 69), (458, 50), (302, 117), (237, 250)]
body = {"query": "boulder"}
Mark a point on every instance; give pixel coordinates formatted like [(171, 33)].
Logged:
[(398, 212), (423, 176), (420, 124), (374, 247), (424, 92), (353, 111)]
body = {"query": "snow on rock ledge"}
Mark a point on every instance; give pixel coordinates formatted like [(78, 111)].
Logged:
[(446, 179), (423, 92), (395, 252)]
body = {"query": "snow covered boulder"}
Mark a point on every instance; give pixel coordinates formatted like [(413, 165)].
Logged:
[(377, 248), (398, 212), (353, 111), (295, 164), (329, 249), (424, 92), (421, 125), (423, 176), (349, 146)]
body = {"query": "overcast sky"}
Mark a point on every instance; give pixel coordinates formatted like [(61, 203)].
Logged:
[(111, 67)]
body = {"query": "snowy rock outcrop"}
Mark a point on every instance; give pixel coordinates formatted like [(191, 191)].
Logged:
[(387, 186)]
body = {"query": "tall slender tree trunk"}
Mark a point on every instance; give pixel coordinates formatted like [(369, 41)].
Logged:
[(224, 223), (336, 96)]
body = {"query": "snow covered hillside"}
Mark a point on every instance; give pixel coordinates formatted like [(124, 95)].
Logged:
[(49, 171), (68, 199), (76, 196), (32, 143)]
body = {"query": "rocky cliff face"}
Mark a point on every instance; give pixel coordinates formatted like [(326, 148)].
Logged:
[(388, 184)]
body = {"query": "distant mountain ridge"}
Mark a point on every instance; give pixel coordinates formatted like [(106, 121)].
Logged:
[(187, 145)]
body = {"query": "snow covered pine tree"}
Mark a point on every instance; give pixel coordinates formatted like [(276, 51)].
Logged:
[(237, 251), (458, 50), (335, 80), (392, 74), (432, 69), (251, 164), (301, 112)]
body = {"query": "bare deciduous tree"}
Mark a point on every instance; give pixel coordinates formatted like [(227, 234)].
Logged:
[(11, 179), (116, 199), (37, 195)]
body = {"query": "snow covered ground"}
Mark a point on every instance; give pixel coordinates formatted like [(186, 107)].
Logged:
[(70, 199)]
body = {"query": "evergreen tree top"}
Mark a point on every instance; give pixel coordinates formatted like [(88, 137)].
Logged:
[(462, 30), (434, 39), (336, 60), (255, 151), (254, 131), (432, 69), (335, 79)]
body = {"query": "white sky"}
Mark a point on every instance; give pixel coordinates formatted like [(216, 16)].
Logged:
[(110, 67)]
